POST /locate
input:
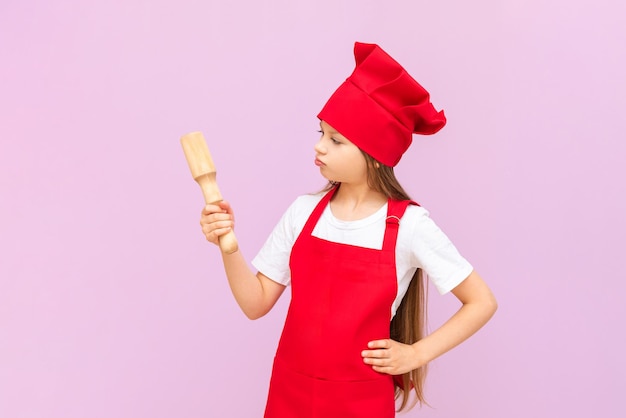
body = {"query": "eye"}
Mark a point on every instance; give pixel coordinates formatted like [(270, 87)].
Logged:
[(333, 140)]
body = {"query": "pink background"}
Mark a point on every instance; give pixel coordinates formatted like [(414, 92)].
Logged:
[(113, 305)]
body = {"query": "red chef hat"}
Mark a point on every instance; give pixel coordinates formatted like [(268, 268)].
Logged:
[(380, 106)]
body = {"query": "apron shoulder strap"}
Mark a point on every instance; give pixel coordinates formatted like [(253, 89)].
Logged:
[(395, 211), (317, 213)]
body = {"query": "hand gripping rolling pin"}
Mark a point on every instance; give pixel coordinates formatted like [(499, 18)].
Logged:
[(203, 172)]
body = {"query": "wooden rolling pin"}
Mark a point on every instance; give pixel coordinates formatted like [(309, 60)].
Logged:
[(204, 173)]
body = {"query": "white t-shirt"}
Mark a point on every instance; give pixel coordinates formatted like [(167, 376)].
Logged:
[(420, 244)]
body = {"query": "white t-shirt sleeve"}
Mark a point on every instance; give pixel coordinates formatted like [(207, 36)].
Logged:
[(434, 253), (273, 258)]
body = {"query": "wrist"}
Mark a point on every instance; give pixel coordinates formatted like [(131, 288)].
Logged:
[(421, 355)]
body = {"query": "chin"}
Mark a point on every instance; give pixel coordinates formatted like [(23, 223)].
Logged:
[(327, 178)]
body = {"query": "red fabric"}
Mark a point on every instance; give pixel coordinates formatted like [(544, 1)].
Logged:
[(380, 106), (341, 300)]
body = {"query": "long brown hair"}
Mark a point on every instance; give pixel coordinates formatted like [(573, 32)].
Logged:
[(409, 323)]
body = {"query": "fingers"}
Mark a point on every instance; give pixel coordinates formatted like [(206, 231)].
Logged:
[(225, 206), (211, 215), (214, 230), (379, 344), (221, 206), (389, 356), (380, 360), (216, 220), (379, 353)]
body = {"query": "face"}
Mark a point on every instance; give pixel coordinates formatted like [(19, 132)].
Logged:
[(339, 159)]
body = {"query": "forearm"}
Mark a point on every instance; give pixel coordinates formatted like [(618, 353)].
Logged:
[(392, 357), (462, 325), (255, 293), (244, 284)]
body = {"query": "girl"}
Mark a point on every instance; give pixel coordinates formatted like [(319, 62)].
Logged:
[(354, 256)]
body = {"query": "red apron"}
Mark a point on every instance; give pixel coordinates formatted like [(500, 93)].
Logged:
[(341, 299)]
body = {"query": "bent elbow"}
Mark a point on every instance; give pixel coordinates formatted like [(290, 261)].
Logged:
[(254, 314), (492, 305), (252, 317)]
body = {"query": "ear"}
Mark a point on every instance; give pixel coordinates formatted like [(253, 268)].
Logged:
[(376, 164)]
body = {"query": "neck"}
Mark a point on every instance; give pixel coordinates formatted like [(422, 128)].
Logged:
[(353, 202)]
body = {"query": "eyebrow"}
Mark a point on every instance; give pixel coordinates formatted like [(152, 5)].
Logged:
[(329, 129)]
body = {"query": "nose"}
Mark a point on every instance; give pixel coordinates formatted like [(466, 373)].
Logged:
[(319, 147)]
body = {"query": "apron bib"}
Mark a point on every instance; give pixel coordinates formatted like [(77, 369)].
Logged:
[(341, 299)]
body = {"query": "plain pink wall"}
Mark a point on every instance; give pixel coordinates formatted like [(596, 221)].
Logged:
[(113, 305)]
